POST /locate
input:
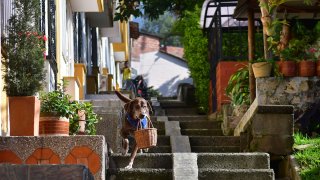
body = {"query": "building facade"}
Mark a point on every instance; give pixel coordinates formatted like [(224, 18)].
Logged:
[(85, 47)]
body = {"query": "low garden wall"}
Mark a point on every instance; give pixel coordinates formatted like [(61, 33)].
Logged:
[(85, 150), (301, 92)]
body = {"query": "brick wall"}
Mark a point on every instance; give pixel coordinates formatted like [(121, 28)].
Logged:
[(148, 43), (145, 44), (176, 51)]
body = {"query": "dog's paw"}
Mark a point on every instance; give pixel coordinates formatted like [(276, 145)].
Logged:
[(129, 166)]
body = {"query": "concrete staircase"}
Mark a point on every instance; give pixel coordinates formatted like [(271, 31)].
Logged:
[(147, 166), (189, 147)]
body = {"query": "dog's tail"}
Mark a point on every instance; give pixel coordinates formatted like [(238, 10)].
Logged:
[(122, 97)]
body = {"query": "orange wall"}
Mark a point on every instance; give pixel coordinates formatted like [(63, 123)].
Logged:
[(224, 70)]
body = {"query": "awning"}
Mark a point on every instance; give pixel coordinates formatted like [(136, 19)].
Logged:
[(294, 8)]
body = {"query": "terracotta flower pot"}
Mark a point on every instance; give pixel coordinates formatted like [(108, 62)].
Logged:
[(307, 68), (53, 125), (318, 68), (24, 115), (288, 68)]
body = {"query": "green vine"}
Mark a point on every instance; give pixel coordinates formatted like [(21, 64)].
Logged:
[(195, 52)]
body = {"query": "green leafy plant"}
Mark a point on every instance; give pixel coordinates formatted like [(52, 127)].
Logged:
[(195, 54), (152, 92), (307, 157), (238, 87), (91, 118), (56, 102), (25, 45), (295, 50)]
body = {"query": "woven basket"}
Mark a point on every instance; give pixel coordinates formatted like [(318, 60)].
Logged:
[(146, 138)]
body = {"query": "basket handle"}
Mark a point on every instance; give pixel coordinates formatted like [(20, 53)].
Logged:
[(149, 123)]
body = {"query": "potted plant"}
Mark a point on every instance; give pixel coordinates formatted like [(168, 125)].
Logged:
[(55, 111), (307, 66), (84, 119), (24, 67), (303, 38), (261, 68), (287, 63), (238, 87), (316, 53)]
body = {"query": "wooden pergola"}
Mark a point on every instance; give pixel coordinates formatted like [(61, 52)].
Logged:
[(250, 10)]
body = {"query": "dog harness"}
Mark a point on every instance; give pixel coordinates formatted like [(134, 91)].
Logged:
[(134, 122)]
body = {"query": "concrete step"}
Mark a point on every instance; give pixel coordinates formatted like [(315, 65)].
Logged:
[(145, 160), (200, 125), (236, 174), (188, 118), (217, 149), (158, 124), (201, 132), (107, 103), (181, 111), (160, 149), (101, 96), (106, 110), (215, 141), (163, 145), (139, 174), (163, 140), (173, 104), (233, 160)]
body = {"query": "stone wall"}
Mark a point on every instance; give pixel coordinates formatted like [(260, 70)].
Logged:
[(85, 150), (27, 171), (300, 92)]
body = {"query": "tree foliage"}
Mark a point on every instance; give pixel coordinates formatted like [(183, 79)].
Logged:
[(195, 52), (152, 8), (162, 27), (24, 62)]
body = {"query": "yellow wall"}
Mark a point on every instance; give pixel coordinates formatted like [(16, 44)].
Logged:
[(80, 73), (124, 45), (3, 104)]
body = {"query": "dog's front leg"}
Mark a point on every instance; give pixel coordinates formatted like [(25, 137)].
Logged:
[(133, 155)]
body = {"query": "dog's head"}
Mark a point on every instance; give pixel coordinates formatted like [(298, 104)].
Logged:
[(137, 108)]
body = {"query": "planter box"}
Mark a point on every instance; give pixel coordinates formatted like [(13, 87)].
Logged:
[(24, 114)]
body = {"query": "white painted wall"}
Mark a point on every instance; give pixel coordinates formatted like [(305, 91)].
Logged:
[(162, 71)]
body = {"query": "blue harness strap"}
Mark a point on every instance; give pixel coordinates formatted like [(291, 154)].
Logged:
[(134, 122)]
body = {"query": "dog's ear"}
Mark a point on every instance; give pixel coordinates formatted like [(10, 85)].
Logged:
[(150, 108), (122, 97), (128, 108)]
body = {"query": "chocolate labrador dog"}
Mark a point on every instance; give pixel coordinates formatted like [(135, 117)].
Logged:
[(136, 110)]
